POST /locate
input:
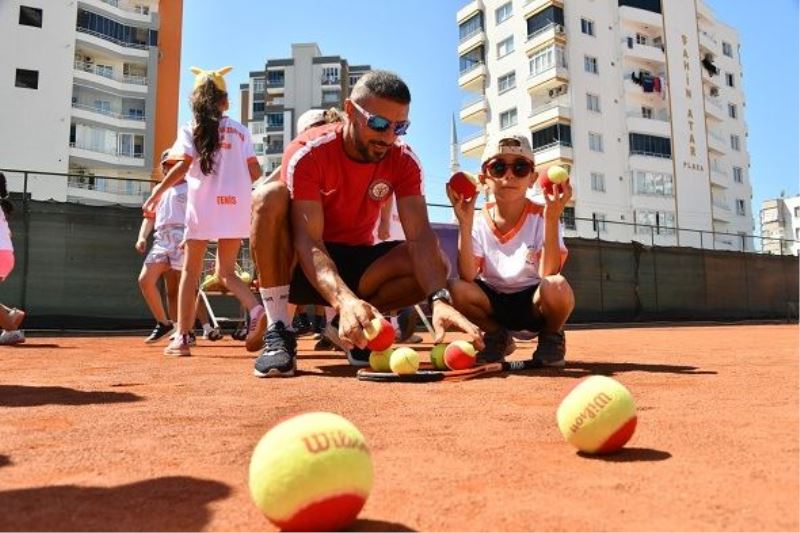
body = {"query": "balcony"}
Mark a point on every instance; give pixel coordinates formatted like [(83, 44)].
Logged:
[(556, 151), (640, 17), (720, 210), (468, 10), (273, 148), (472, 146), (716, 142), (89, 190), (112, 79), (473, 77), (704, 12), (549, 112), (329, 81), (708, 42), (549, 34), (719, 177), (474, 110), (550, 78), (116, 10), (87, 154), (656, 124), (107, 117), (99, 41), (475, 38), (643, 51), (275, 87), (532, 7), (714, 108)]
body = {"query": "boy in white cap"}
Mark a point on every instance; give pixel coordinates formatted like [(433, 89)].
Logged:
[(511, 256)]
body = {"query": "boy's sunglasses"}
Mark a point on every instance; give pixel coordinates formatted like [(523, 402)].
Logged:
[(497, 168), (380, 124)]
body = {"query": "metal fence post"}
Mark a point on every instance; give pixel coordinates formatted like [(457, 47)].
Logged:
[(26, 224)]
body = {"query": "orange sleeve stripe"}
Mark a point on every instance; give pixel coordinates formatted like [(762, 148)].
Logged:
[(252, 160), (180, 157), (479, 261)]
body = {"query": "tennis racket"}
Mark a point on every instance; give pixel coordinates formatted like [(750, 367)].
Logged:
[(428, 374)]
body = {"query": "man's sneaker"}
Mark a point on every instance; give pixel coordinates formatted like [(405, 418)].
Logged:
[(255, 330), (301, 325), (9, 338), (278, 358), (496, 346), (355, 356), (550, 350), (160, 331), (179, 346)]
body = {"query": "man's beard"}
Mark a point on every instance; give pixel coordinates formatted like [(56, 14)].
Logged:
[(363, 150)]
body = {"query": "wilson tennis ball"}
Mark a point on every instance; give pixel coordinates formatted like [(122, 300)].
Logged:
[(379, 361), (379, 334), (598, 415), (312, 472), (464, 184), (459, 355), (554, 174), (437, 357), (404, 360)]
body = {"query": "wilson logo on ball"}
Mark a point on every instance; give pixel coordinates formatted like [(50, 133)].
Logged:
[(591, 411), (322, 442)]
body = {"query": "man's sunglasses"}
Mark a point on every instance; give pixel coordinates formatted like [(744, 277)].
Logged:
[(497, 168), (378, 123)]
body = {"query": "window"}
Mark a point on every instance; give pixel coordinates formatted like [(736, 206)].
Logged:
[(738, 177), (274, 120), (257, 128), (653, 6), (568, 217), (107, 71), (275, 78), (736, 143), (729, 79), (595, 142), (551, 136), (27, 79), (740, 207), (502, 13), (598, 222), (330, 75), (505, 47), (470, 60), (592, 102), (547, 58), (547, 18), (506, 82), (598, 182), (732, 110), (30, 16), (590, 64), (258, 107), (258, 148), (508, 118), (258, 85), (115, 32), (330, 97), (647, 112), (142, 10), (727, 49), (650, 145), (797, 234), (654, 222), (797, 211), (587, 27), (649, 183), (470, 27)]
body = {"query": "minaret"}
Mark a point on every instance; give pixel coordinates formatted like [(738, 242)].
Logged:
[(454, 166)]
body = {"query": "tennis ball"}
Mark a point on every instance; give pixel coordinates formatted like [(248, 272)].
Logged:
[(380, 334), (598, 415), (379, 361), (459, 355), (404, 360), (554, 174), (464, 184), (437, 357), (312, 472)]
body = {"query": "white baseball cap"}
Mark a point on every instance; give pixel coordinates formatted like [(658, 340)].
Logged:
[(309, 119), (507, 143)]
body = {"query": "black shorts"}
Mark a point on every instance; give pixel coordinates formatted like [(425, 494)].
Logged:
[(513, 311), (350, 261)]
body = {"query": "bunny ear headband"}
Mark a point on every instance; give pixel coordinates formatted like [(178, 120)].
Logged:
[(200, 77)]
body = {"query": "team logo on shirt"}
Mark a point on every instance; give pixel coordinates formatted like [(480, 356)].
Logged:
[(532, 256), (379, 190)]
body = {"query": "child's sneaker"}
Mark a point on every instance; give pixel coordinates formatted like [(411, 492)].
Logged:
[(160, 331), (551, 349), (256, 326), (496, 346), (214, 334), (180, 346), (355, 356), (16, 316), (9, 338)]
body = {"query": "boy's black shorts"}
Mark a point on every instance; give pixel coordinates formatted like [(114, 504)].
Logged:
[(350, 261), (514, 311)]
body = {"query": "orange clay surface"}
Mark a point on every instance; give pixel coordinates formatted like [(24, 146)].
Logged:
[(108, 434)]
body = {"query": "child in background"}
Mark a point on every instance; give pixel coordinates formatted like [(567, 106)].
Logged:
[(215, 155), (510, 258), (10, 318)]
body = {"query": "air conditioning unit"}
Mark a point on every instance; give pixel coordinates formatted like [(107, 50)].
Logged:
[(553, 93), (559, 28), (88, 59)]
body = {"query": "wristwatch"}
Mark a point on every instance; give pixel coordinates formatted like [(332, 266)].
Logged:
[(442, 294)]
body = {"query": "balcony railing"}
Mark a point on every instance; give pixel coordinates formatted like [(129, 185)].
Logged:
[(565, 144), (549, 105), (470, 68), (116, 152), (109, 113), (140, 46), (472, 100), (473, 32), (471, 137), (648, 153), (83, 66), (662, 117), (552, 26)]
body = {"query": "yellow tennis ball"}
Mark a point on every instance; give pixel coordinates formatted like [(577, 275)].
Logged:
[(379, 361), (598, 415), (312, 472), (437, 356), (557, 174), (404, 360)]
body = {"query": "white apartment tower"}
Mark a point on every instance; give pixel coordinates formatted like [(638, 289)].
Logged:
[(780, 225), (90, 88), (641, 99), (288, 87)]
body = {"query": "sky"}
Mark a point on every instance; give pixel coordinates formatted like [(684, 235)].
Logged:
[(418, 40)]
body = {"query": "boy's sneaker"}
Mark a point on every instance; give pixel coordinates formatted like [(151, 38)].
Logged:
[(301, 325), (355, 356), (550, 350), (180, 346), (496, 346), (160, 331), (278, 358), (9, 338), (255, 330)]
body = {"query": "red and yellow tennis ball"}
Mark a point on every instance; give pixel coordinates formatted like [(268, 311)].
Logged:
[(437, 357), (555, 174), (459, 355), (598, 415), (379, 361), (464, 184), (404, 360), (312, 472), (380, 334)]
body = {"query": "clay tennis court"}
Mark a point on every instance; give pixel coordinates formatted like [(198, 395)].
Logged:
[(105, 433)]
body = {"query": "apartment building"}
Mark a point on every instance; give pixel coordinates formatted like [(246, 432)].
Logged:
[(93, 91), (780, 225), (288, 87), (641, 99)]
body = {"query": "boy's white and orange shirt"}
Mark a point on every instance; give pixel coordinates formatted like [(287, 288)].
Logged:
[(509, 262)]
